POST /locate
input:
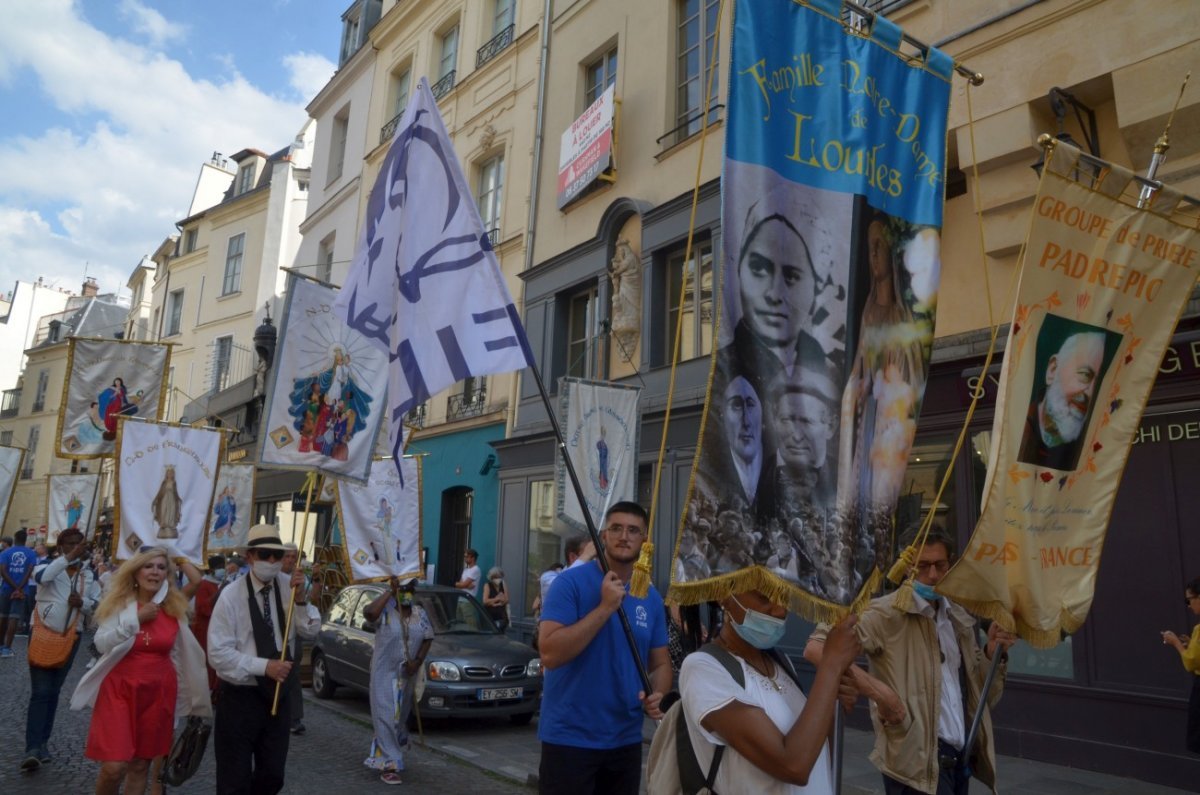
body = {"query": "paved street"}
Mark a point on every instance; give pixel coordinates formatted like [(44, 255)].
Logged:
[(328, 758)]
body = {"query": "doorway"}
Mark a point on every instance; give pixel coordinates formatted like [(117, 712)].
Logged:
[(455, 536)]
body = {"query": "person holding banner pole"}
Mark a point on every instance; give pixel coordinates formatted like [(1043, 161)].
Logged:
[(1189, 653)]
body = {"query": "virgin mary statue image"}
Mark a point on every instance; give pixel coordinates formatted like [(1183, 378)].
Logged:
[(316, 398)]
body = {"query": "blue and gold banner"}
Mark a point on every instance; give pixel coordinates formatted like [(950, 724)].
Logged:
[(831, 208)]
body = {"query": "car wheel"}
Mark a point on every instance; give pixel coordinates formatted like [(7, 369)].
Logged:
[(522, 719), (323, 685)]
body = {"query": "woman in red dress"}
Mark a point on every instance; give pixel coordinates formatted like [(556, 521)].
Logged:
[(151, 665)]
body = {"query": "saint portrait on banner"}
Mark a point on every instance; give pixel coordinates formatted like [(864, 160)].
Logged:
[(329, 407)]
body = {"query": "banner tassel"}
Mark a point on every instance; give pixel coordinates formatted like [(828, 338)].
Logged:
[(639, 583), (903, 565)]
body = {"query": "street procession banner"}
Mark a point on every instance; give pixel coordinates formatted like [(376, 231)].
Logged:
[(381, 521), (233, 508), (107, 380), (326, 397), (71, 504), (166, 475), (601, 432), (1102, 287), (832, 198), (11, 459)]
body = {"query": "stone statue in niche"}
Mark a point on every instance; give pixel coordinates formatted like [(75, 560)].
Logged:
[(626, 273)]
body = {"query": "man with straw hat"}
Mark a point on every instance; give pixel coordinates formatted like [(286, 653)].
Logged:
[(245, 636)]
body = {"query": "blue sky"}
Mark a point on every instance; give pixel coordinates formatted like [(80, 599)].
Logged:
[(109, 107)]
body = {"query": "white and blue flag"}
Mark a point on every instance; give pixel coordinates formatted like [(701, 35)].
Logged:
[(424, 284)]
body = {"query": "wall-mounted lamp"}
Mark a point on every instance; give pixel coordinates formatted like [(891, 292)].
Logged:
[(1060, 99), (489, 464)]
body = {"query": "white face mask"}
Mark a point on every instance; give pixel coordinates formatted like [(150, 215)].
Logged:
[(267, 570)]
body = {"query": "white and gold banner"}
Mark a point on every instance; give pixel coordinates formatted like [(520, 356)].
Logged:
[(601, 429), (72, 502), (381, 521), (107, 380), (1102, 288), (166, 475), (10, 471), (231, 515)]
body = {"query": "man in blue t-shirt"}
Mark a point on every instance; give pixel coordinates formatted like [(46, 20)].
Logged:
[(16, 569), (593, 703)]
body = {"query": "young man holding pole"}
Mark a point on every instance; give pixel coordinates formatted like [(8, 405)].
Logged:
[(593, 703)]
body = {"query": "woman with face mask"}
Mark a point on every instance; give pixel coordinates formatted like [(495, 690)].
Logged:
[(151, 668), (775, 737), (495, 598)]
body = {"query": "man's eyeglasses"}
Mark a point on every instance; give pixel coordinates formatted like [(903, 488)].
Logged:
[(628, 530), (940, 566), (1187, 599)]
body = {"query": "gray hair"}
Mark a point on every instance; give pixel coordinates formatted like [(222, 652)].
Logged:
[(495, 571)]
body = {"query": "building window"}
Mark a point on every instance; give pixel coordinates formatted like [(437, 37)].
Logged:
[(189, 241), (471, 401), (491, 181), (245, 178), (170, 393), (696, 290), (174, 312), (6, 438), (325, 259), (351, 33), (599, 75), (39, 397), (503, 16), (233, 264), (697, 27), (302, 185), (222, 353), (449, 52), (31, 452), (582, 326), (337, 153), (398, 89), (545, 546)]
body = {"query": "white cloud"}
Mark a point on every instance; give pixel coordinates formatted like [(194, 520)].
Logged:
[(107, 185), (151, 24), (308, 72)]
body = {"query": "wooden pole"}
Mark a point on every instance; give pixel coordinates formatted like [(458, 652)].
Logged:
[(310, 483)]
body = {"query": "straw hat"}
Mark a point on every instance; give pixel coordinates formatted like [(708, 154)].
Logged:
[(263, 536)]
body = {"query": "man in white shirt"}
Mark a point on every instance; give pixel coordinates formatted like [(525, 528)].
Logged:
[(244, 638), (471, 575)]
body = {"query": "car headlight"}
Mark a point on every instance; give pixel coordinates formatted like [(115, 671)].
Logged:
[(534, 667), (444, 671)]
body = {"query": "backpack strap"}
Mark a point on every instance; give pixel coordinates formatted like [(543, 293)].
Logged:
[(730, 664)]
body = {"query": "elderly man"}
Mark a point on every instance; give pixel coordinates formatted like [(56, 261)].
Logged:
[(245, 636), (1055, 424), (805, 422)]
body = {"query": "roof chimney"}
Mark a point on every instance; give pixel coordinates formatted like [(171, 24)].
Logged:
[(90, 287)]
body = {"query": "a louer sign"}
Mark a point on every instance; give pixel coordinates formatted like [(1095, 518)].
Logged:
[(586, 149)]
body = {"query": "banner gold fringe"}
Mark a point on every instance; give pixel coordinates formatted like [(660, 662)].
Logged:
[(1037, 637), (776, 590), (639, 583)]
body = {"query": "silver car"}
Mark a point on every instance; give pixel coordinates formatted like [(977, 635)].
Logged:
[(472, 669)]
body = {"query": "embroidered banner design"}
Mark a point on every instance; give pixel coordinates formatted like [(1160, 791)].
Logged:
[(601, 430), (831, 208), (71, 503), (1102, 287), (381, 521), (107, 380), (233, 508), (326, 397)]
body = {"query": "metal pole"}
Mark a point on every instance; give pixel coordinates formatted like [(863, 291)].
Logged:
[(591, 525), (982, 705), (839, 746)]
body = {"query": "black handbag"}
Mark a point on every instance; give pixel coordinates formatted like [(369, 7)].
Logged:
[(187, 752)]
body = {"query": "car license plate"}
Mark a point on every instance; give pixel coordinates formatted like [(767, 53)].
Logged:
[(500, 693)]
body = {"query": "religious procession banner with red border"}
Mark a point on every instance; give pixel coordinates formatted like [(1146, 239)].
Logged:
[(381, 521), (601, 430), (10, 470), (831, 211), (326, 396), (165, 479), (1102, 287), (71, 503), (233, 509), (107, 380)]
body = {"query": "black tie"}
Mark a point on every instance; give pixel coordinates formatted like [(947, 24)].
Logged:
[(266, 608)]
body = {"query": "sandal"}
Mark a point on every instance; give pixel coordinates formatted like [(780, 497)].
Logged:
[(390, 777)]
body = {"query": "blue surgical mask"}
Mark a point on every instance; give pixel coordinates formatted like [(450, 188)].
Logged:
[(926, 592), (219, 575), (759, 629)]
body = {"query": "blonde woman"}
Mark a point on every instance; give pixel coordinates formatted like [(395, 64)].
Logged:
[(151, 668)]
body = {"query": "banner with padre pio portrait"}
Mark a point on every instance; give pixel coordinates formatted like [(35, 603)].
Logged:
[(166, 475), (326, 397), (381, 521), (1102, 287), (10, 471), (601, 430), (831, 209), (72, 504), (107, 380), (232, 511)]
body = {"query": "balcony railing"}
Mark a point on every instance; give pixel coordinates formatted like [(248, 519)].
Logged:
[(494, 46), (11, 403), (471, 405), (389, 130), (39, 405), (225, 372), (27, 472), (689, 127), (494, 236), (442, 87), (416, 417)]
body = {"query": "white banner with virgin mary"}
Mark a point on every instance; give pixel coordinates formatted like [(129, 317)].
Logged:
[(381, 521), (10, 470), (71, 504), (602, 440), (326, 398), (229, 521), (165, 480)]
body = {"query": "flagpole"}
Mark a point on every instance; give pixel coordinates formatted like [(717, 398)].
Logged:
[(310, 483), (591, 524), (839, 746), (997, 654)]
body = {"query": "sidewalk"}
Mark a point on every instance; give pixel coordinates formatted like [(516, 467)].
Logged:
[(512, 752)]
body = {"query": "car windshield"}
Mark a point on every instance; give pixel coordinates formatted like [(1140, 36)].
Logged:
[(455, 613)]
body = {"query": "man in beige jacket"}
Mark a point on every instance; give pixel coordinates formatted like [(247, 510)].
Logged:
[(926, 680)]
